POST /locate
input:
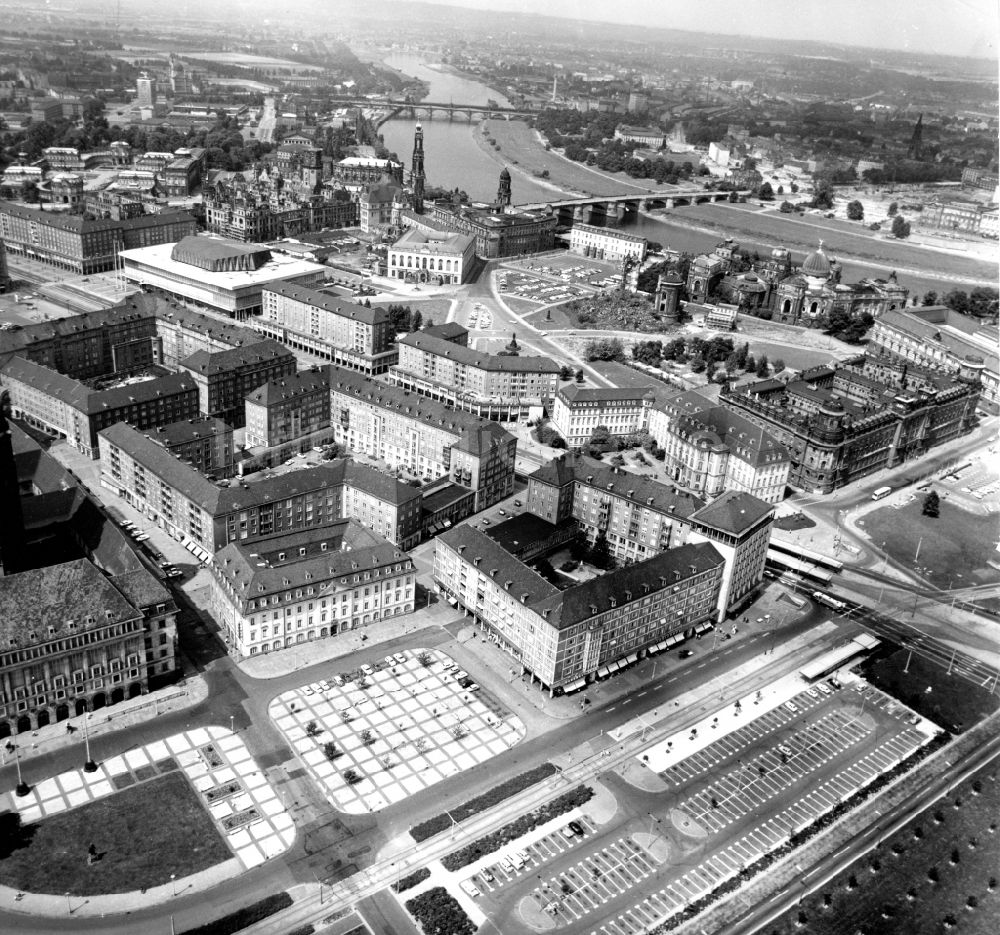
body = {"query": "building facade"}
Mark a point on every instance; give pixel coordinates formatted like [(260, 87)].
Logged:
[(578, 410), (425, 256), (422, 436), (871, 414), (710, 449), (283, 410), (351, 336), (604, 243), (307, 586), (489, 385), (224, 378), (566, 638), (205, 443), (192, 509)]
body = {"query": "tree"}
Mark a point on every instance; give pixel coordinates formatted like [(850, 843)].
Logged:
[(932, 505), (766, 193), (900, 227), (787, 207), (778, 365), (855, 211), (893, 208), (416, 320), (579, 376), (605, 349), (600, 553), (930, 298), (331, 751), (763, 368), (750, 365), (351, 777), (823, 196), (565, 373)]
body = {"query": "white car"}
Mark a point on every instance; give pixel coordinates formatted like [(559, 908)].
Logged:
[(470, 888)]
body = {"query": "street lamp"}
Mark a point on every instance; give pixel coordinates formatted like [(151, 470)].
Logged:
[(22, 787), (173, 885), (89, 766)]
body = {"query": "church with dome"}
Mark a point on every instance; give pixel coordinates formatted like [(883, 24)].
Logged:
[(773, 289)]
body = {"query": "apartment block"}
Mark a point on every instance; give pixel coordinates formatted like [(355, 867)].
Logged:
[(205, 443), (283, 410), (578, 410)]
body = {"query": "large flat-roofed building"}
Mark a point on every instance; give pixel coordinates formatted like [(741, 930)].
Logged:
[(82, 244), (282, 410), (604, 243), (422, 436), (349, 335), (308, 585), (710, 449), (872, 413), (638, 516), (652, 137), (444, 258), (222, 275), (224, 378), (941, 339), (66, 407), (490, 385), (578, 410), (564, 638), (204, 442), (192, 509)]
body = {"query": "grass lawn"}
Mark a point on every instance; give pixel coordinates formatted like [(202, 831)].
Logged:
[(145, 834), (956, 543), (938, 872), (953, 703)]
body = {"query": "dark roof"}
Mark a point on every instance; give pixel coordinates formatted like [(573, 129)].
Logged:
[(661, 571), (470, 429), (90, 401), (432, 344), (447, 330), (524, 581), (519, 532), (32, 601), (76, 223), (444, 497), (161, 219), (633, 487), (332, 304), (733, 512), (578, 394), (188, 430), (276, 391), (214, 254), (216, 362), (142, 589), (697, 419)]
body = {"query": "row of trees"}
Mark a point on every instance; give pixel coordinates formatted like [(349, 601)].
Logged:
[(981, 302)]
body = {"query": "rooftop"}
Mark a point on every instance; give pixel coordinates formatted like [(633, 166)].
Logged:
[(441, 347), (49, 603), (445, 243), (216, 362), (188, 430), (277, 391), (574, 393), (334, 305), (734, 512)]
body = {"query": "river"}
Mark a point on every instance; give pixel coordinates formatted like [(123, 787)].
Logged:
[(451, 155), (453, 158)]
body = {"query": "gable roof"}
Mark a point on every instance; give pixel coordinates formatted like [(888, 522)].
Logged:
[(734, 512), (441, 347)]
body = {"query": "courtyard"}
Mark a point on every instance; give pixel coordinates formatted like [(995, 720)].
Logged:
[(376, 736)]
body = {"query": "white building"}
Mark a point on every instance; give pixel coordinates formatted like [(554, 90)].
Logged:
[(214, 273), (579, 410), (430, 256), (604, 243), (719, 153)]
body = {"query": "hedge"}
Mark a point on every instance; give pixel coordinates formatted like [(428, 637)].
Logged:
[(306, 929), (439, 913), (411, 880), (241, 918), (437, 824), (521, 826)]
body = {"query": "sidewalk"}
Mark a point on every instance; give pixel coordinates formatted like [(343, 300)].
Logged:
[(186, 694)]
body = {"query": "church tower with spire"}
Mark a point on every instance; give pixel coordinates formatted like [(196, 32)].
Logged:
[(417, 170), (503, 192)]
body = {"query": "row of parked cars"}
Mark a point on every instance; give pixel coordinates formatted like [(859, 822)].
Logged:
[(136, 533)]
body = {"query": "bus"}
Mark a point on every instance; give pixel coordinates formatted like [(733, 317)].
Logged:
[(881, 492), (828, 600), (784, 564), (806, 555)]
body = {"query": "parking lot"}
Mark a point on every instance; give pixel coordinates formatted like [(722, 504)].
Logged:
[(587, 885), (508, 868), (554, 286)]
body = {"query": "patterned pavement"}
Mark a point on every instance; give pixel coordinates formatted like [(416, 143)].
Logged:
[(236, 794), (398, 729)]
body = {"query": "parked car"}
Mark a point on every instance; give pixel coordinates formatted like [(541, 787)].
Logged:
[(470, 888), (517, 503), (576, 828), (685, 653)]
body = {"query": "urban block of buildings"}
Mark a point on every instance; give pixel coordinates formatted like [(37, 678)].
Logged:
[(497, 386), (283, 410), (307, 319), (422, 436), (308, 585), (208, 514), (204, 442), (609, 244), (578, 410), (441, 257)]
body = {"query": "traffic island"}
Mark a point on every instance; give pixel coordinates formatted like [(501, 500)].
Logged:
[(686, 824)]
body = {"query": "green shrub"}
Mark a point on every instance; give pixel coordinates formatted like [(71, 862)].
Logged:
[(439, 913), (242, 918), (493, 842), (411, 880), (437, 824)]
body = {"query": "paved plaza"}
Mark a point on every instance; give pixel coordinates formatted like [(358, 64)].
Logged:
[(395, 730), (236, 794)]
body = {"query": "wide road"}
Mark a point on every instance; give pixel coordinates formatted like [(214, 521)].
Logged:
[(268, 121), (829, 867)]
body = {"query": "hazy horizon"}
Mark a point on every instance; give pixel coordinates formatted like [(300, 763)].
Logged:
[(967, 28)]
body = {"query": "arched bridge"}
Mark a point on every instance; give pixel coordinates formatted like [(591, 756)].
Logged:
[(608, 210), (430, 109)]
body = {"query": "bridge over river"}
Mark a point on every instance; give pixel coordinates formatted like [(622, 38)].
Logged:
[(608, 210)]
